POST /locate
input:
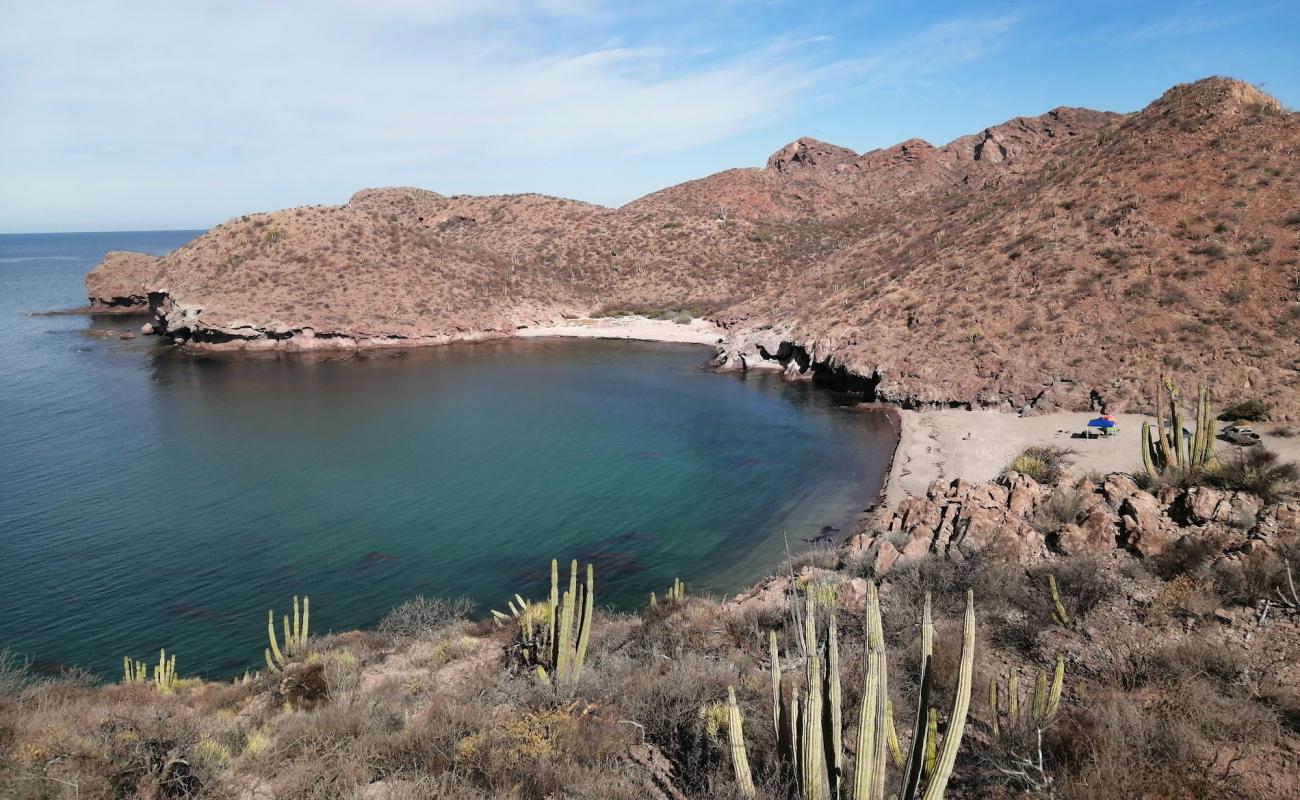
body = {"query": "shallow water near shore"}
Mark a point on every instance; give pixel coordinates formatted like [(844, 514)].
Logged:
[(154, 500)]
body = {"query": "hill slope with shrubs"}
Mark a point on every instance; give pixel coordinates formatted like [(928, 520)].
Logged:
[(1035, 265)]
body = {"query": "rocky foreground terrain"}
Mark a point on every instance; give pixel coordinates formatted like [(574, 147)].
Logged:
[(1048, 262)]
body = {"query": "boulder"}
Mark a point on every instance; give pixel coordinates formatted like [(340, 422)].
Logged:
[(1094, 535), (918, 543), (886, 556), (988, 495), (1146, 529), (1117, 487), (992, 532), (1197, 505), (1024, 495)]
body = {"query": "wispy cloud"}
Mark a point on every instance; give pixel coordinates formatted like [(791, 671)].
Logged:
[(936, 50), (1193, 19)]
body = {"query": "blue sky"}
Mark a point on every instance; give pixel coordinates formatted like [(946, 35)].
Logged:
[(144, 114)]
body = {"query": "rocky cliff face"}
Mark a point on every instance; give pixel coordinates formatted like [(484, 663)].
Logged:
[(1047, 262)]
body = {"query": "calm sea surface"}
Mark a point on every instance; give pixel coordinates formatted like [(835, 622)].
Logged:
[(148, 499)]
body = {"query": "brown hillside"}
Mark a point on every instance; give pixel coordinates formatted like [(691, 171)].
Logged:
[(1046, 262)]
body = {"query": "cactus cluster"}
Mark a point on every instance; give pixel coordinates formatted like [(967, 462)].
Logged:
[(809, 726), (1046, 701), (164, 672), (557, 650), (1166, 448), (134, 671), (164, 675), (295, 636), (674, 594)]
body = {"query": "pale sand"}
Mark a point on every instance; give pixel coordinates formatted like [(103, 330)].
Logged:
[(978, 445), (697, 331)]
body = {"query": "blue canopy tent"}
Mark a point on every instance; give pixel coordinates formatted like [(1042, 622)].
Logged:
[(1103, 424)]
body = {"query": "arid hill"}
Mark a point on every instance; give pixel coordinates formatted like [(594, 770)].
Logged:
[(1048, 262)]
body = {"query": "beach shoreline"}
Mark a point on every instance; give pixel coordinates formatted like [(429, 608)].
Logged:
[(945, 444), (639, 328)]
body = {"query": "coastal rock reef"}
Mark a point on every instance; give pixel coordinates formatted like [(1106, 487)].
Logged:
[(1049, 262)]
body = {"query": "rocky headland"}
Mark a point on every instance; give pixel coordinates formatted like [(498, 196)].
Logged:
[(118, 284), (1050, 262)]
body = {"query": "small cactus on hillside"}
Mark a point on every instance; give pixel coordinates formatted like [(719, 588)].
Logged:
[(164, 675), (295, 636)]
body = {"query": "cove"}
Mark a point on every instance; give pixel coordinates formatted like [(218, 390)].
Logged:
[(153, 499)]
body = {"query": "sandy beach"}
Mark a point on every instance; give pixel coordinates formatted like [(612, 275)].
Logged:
[(977, 445), (697, 331)]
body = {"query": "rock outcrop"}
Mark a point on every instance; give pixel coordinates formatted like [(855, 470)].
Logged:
[(1034, 265), (1017, 519)]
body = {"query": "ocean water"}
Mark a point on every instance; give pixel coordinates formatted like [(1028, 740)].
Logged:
[(149, 499)]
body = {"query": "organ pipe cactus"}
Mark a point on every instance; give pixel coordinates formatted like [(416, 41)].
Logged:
[(557, 652), (1166, 448), (295, 635), (809, 729), (1059, 614)]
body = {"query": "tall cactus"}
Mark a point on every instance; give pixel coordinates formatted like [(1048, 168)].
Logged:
[(295, 635), (812, 753), (920, 734), (807, 741), (736, 736), (960, 706), (1168, 448)]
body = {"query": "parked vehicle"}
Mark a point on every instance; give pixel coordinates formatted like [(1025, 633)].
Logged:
[(1239, 434)]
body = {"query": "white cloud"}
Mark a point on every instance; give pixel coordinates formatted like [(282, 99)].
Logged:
[(209, 109), (324, 86)]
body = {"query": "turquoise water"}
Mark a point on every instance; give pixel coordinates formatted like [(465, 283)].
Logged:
[(149, 499)]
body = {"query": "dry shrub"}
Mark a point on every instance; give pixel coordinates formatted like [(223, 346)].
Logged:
[(1061, 508), (1259, 472), (1083, 583), (1167, 744), (1187, 596), (422, 616), (1246, 581)]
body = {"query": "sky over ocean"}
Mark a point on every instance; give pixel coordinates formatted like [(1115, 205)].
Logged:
[(147, 114)]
